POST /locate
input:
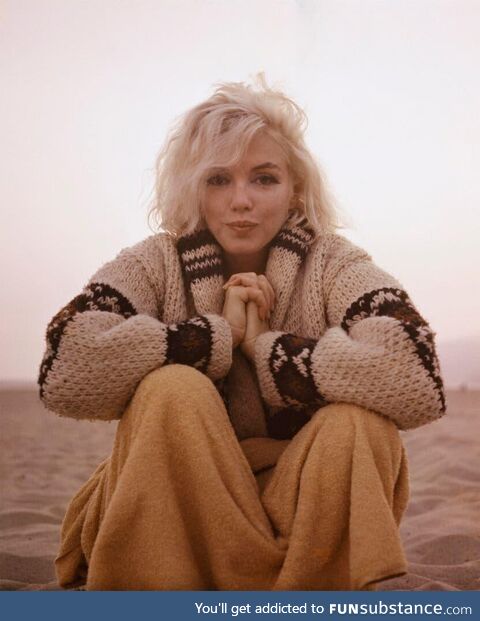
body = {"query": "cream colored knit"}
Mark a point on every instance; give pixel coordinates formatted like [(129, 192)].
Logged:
[(342, 331)]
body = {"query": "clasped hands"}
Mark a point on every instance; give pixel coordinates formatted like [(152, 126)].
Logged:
[(249, 301)]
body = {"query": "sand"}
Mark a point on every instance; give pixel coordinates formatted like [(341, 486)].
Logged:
[(44, 459)]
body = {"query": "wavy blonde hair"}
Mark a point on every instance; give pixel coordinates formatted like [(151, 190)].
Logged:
[(216, 133)]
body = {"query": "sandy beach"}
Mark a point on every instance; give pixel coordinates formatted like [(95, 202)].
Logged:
[(44, 459)]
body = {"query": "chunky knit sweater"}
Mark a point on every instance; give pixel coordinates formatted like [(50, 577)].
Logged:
[(341, 330)]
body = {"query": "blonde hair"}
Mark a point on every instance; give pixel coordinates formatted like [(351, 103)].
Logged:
[(216, 133)]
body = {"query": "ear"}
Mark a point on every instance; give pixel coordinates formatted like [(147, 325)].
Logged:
[(293, 200), (297, 203), (296, 192)]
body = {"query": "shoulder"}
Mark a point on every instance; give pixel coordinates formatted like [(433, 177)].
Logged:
[(150, 248), (141, 265), (153, 255), (331, 252), (341, 264), (332, 247)]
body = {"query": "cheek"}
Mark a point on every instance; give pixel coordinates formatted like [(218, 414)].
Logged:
[(277, 209), (211, 214)]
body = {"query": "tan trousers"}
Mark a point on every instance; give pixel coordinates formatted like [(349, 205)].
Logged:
[(177, 505)]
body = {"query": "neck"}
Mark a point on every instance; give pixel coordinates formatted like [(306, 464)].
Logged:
[(235, 264)]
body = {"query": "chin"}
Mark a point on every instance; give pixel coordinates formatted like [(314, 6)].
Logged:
[(242, 249)]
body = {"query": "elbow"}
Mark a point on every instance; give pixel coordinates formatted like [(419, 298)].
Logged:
[(420, 385), (421, 406), (431, 396), (75, 391), (63, 398)]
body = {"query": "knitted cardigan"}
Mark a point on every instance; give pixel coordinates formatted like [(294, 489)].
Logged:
[(342, 330)]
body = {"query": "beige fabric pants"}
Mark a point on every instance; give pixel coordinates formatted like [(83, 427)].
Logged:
[(177, 505)]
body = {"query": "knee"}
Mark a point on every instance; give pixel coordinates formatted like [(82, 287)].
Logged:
[(171, 395), (348, 418), (177, 381), (362, 430)]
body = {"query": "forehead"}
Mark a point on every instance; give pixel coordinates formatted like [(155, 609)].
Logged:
[(259, 150), (263, 148)]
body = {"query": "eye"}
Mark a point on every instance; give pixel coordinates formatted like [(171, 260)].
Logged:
[(265, 179), (217, 180)]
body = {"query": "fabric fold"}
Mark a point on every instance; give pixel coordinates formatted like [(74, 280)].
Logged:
[(177, 505)]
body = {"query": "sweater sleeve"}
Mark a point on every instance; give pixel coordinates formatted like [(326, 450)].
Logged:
[(108, 338), (377, 352)]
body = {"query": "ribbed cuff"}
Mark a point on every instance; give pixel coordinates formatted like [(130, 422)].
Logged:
[(284, 365), (221, 348), (264, 347)]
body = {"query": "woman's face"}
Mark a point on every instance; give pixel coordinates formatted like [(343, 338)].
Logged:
[(246, 205)]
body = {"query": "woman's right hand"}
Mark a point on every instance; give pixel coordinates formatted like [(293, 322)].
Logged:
[(235, 312), (239, 290)]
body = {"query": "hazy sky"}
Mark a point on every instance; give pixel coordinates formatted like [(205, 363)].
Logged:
[(89, 88)]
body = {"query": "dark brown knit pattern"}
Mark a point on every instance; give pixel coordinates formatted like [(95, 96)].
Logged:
[(190, 342), (395, 303), (200, 256), (95, 297), (297, 239), (291, 368)]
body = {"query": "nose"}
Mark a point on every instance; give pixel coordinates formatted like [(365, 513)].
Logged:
[(241, 199)]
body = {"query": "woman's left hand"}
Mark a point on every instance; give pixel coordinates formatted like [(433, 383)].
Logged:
[(255, 327), (257, 313), (266, 299)]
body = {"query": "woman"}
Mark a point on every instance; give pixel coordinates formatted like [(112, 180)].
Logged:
[(260, 365)]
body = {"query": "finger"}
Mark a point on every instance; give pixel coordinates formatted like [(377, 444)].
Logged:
[(240, 274), (264, 289), (250, 274), (237, 291), (245, 276), (248, 279), (254, 281), (256, 295), (252, 314)]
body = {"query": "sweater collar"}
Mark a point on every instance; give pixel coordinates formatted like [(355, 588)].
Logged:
[(201, 258)]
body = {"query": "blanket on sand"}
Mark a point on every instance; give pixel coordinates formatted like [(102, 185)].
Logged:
[(181, 504)]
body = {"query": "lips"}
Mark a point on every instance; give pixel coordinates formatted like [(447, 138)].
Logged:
[(242, 224), (242, 229)]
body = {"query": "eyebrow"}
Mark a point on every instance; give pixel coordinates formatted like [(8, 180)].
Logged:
[(266, 165), (271, 165)]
